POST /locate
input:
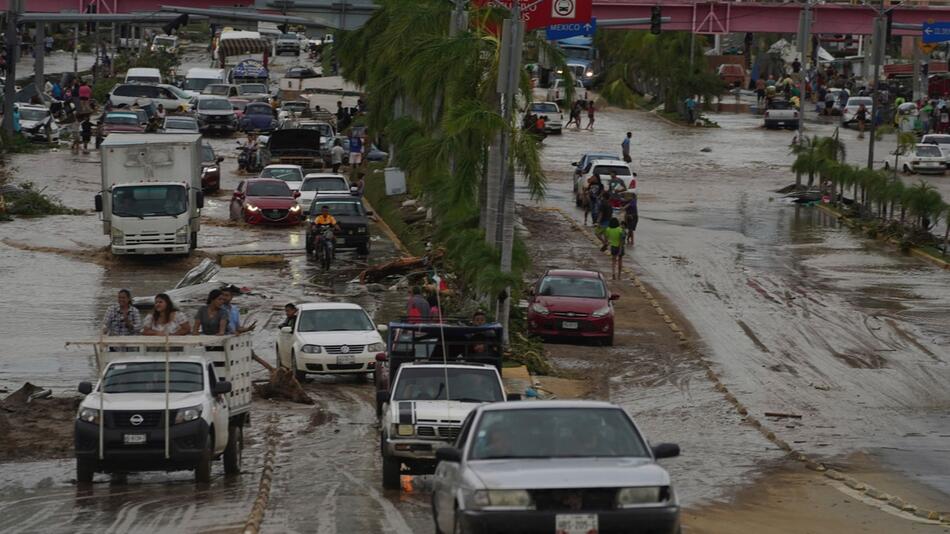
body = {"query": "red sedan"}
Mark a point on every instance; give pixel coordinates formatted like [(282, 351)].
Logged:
[(265, 201), (572, 303)]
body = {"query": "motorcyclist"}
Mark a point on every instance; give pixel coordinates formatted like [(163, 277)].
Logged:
[(324, 221)]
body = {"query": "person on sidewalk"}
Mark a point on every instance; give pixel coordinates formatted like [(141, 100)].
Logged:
[(615, 238)]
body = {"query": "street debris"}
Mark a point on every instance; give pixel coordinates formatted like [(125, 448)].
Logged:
[(376, 273)]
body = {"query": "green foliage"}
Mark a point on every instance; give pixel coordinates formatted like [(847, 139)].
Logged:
[(100, 89), (164, 61), (31, 202)]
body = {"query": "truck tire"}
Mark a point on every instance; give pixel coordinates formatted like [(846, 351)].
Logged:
[(363, 250), (234, 450), (392, 468), (194, 240), (203, 469), (85, 469)]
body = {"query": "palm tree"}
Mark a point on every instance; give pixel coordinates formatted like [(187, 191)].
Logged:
[(809, 159)]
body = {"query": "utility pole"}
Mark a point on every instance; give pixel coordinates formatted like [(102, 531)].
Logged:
[(877, 55), (14, 8), (509, 74), (39, 55), (804, 40)]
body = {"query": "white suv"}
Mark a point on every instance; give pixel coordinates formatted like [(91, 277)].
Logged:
[(329, 338), (422, 414)]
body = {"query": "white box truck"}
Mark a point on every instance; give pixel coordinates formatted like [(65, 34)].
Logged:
[(151, 199), (164, 404)]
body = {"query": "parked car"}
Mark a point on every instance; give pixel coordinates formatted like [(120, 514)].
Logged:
[(118, 122), (572, 303), (210, 169), (320, 183), (603, 168), (926, 159), (582, 166), (425, 410), (180, 124), (293, 109), (226, 90), (287, 42), (350, 214), (258, 117), (732, 75), (37, 123), (329, 338), (942, 141), (780, 114), (165, 43), (291, 174), (553, 118), (301, 73), (254, 92), (855, 102), (169, 96), (265, 201), (553, 466), (146, 75), (214, 114), (373, 154), (556, 92)]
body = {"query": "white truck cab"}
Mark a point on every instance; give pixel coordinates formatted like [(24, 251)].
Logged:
[(164, 404), (424, 412)]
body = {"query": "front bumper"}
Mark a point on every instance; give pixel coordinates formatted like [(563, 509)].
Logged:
[(258, 217), (185, 447), (663, 520), (923, 168), (146, 249), (781, 123), (331, 364), (414, 448), (551, 325), (211, 181)]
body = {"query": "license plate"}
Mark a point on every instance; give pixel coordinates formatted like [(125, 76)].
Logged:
[(133, 439), (344, 359), (571, 325), (575, 524)]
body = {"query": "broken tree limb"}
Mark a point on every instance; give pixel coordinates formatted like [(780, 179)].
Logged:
[(262, 361), (281, 385), (376, 273), (787, 415)]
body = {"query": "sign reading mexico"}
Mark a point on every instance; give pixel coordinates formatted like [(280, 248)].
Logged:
[(543, 13)]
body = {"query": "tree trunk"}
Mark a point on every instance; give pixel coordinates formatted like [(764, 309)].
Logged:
[(811, 179), (493, 191), (946, 234), (798, 180)]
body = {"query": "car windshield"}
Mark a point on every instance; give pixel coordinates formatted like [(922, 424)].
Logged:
[(213, 103), (181, 95), (572, 52), (287, 36), (605, 170), (268, 189), (252, 88), (334, 321), (262, 109), (467, 385), (285, 174), (181, 124), (299, 73), (164, 41), (33, 114), (321, 127), (338, 208), (929, 151), (149, 200), (556, 433), (218, 90), (149, 377), (937, 139), (198, 84), (854, 102), (121, 118), (779, 104), (324, 184), (544, 108), (567, 286), (207, 153), (295, 107)]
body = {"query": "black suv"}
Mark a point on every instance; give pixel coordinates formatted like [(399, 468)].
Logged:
[(349, 214)]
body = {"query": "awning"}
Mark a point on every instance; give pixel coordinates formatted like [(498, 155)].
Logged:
[(237, 47)]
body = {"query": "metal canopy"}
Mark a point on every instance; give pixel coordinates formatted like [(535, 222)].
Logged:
[(251, 16), (151, 16)]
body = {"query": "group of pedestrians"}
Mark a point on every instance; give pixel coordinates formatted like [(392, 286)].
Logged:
[(577, 109), (218, 317)]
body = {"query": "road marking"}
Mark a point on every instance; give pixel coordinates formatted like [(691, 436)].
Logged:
[(390, 513)]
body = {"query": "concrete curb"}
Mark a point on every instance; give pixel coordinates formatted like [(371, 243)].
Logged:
[(252, 525), (752, 421), (386, 229)]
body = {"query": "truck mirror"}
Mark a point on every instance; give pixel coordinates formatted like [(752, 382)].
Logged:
[(85, 388), (666, 450), (514, 396), (200, 199), (99, 202), (286, 330), (614, 296), (219, 159), (221, 388), (370, 213), (448, 454), (382, 397), (382, 328)]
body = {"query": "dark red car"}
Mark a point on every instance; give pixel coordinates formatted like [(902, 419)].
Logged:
[(118, 122), (572, 303), (265, 201)]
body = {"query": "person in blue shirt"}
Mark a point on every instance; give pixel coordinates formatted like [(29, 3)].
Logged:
[(356, 150), (16, 119), (233, 313)]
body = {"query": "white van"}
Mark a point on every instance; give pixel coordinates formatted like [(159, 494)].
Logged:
[(197, 79), (168, 96), (143, 75)]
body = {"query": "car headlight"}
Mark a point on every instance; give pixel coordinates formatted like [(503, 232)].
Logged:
[(361, 230), (89, 415), (118, 237), (295, 208), (252, 207), (376, 347), (502, 499), (184, 415), (589, 73), (632, 497), (210, 170), (403, 430), (539, 308), (601, 312), (181, 235), (311, 349)]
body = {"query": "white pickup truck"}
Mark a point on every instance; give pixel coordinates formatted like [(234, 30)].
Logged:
[(781, 114), (164, 404), (424, 413)]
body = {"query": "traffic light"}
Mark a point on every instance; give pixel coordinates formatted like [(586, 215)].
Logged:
[(656, 21), (180, 20)]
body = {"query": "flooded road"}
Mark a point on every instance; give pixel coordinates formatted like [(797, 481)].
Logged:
[(799, 316)]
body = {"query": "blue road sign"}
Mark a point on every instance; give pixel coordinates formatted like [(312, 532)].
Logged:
[(556, 32), (936, 32)]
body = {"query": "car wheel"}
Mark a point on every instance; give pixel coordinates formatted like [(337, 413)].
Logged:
[(609, 342), (363, 250), (298, 374), (194, 241), (234, 451), (203, 469), (85, 469), (392, 469)]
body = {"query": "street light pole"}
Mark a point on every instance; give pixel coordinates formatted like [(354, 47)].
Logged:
[(804, 39), (880, 38), (14, 7)]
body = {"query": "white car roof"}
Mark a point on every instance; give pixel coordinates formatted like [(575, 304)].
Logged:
[(547, 404), (283, 166), (609, 163), (329, 306), (201, 72), (32, 106), (143, 70), (429, 365), (324, 175), (212, 97)]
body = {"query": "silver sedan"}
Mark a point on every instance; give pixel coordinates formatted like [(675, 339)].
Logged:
[(553, 466)]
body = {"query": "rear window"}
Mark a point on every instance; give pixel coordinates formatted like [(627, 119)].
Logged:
[(619, 170), (544, 108), (324, 184), (929, 151), (566, 286), (285, 174), (857, 101)]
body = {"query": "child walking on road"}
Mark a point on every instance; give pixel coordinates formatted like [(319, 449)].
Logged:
[(615, 238)]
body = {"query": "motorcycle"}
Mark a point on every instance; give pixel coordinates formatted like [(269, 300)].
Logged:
[(323, 240), (247, 159)]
